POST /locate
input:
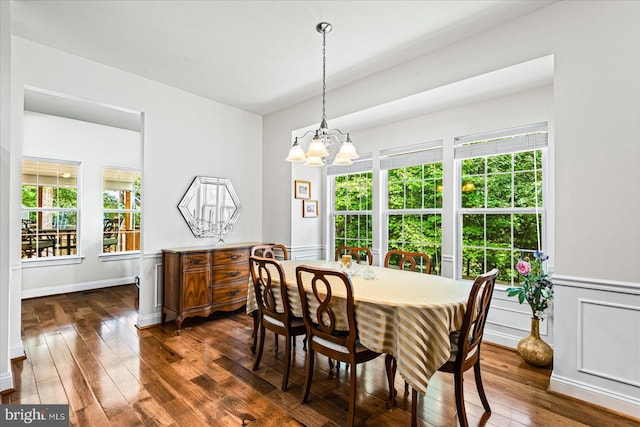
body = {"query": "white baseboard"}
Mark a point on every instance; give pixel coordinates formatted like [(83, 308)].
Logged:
[(16, 351), (505, 340), (75, 287), (621, 403), (147, 320), (6, 381)]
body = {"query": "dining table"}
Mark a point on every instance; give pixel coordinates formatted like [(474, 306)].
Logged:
[(405, 314)]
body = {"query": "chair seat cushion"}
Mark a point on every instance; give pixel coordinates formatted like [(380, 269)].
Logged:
[(453, 338), (295, 322), (337, 347)]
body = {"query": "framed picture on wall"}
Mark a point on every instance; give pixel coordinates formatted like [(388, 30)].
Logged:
[(309, 208), (303, 190)]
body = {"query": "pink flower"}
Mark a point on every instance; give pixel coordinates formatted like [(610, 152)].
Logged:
[(523, 267)]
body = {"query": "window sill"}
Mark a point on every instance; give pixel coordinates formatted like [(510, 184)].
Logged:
[(119, 256), (44, 262)]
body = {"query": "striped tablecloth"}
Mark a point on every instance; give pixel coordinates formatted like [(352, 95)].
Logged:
[(405, 314)]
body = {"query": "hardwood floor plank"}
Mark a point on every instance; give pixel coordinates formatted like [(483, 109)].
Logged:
[(77, 389), (85, 350)]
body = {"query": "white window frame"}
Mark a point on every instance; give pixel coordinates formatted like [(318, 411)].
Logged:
[(523, 139), (117, 254), (364, 164), (407, 156), (58, 259)]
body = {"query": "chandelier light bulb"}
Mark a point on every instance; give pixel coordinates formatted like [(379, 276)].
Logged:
[(296, 153), (314, 162), (348, 150), (342, 161), (317, 148)]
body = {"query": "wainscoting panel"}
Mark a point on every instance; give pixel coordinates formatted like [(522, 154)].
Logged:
[(593, 339), (150, 309), (597, 342), (158, 285), (311, 252)]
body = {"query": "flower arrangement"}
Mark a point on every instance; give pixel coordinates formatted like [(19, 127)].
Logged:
[(536, 288)]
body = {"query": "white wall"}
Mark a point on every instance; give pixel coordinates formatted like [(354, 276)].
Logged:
[(95, 147), (596, 102), (6, 379), (184, 135)]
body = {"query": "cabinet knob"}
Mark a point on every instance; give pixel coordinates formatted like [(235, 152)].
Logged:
[(232, 293), (234, 256), (233, 273)]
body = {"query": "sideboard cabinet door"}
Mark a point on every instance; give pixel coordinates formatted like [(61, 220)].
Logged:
[(186, 285)]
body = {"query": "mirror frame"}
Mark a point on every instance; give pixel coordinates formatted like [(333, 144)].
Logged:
[(196, 224)]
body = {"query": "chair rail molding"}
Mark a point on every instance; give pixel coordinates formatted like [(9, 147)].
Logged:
[(597, 284)]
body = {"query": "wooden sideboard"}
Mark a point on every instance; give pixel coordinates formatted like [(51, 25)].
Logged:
[(198, 281)]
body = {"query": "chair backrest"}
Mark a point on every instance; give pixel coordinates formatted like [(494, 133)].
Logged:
[(27, 227), (475, 316), (356, 253), (269, 303), (111, 227), (322, 321), (409, 261), (267, 251)]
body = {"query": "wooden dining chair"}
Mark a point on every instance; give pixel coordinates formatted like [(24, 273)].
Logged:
[(408, 261), (356, 253), (110, 231), (274, 310), (276, 251), (323, 334), (465, 346)]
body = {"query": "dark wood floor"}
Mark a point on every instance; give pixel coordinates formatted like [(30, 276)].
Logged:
[(84, 349)]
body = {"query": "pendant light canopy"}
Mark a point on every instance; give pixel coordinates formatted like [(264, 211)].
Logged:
[(323, 137)]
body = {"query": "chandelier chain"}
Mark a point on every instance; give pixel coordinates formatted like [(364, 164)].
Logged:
[(324, 66)]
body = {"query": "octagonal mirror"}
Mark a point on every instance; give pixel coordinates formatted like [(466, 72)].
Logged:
[(210, 207)]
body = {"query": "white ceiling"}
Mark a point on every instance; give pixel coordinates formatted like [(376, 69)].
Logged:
[(260, 56)]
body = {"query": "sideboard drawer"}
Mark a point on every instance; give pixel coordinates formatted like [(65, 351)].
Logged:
[(227, 256), (230, 293), (196, 260), (230, 274)]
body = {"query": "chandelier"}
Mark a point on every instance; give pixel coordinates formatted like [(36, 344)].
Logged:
[(323, 137)]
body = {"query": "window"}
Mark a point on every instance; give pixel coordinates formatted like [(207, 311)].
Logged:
[(351, 207), (414, 200), (501, 201), (121, 206), (50, 210)]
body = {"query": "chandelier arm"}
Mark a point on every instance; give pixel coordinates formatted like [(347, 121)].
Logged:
[(339, 131), (305, 134)]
